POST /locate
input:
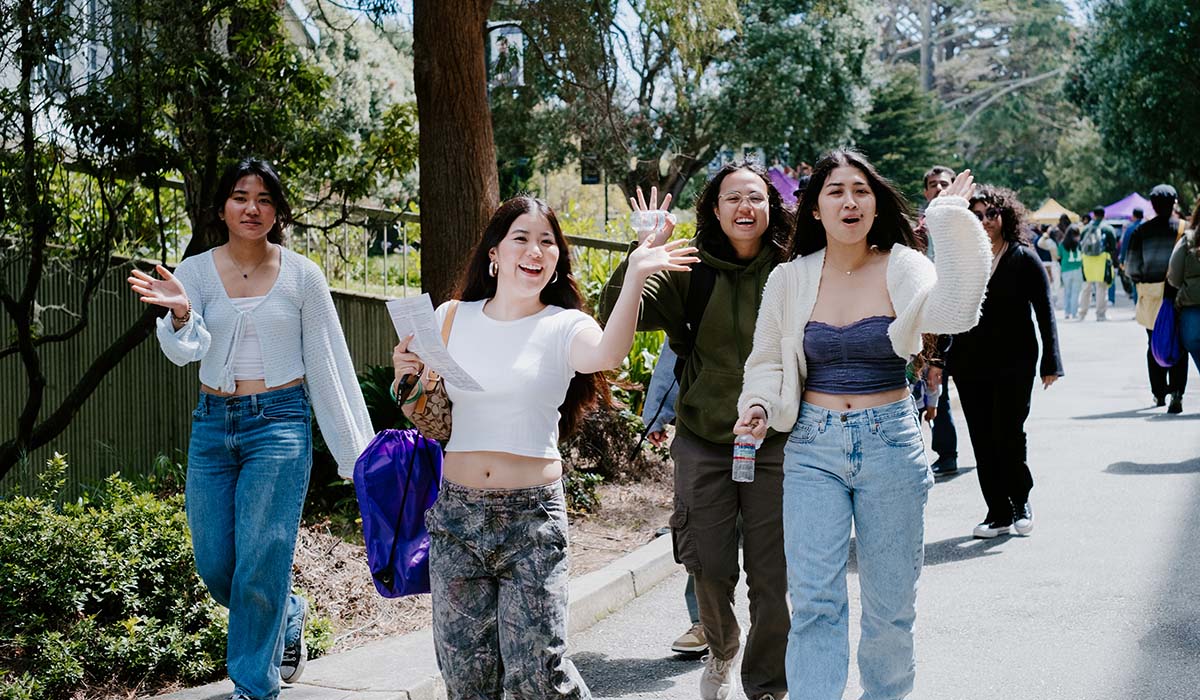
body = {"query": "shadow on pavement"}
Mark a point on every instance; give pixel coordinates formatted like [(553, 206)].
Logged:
[(946, 478), (1144, 412), (608, 677), (1191, 466), (960, 549)]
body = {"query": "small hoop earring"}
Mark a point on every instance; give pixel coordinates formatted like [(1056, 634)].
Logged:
[(554, 278), (493, 268)]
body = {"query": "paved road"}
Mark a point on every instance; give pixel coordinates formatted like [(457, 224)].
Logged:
[(1102, 602)]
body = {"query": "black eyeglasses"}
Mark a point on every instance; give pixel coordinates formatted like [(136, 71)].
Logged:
[(990, 212)]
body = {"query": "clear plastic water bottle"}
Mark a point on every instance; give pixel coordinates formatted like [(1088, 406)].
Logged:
[(744, 448), (648, 220)]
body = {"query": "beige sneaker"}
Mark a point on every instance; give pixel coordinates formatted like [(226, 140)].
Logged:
[(692, 641), (716, 682)]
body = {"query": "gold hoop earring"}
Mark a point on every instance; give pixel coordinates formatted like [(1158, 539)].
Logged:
[(493, 268)]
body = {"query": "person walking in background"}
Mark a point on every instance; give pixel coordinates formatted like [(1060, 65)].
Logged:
[(943, 433), (658, 410), (1047, 252), (1070, 259), (1098, 244), (1146, 260), (742, 228), (261, 322), (994, 363), (837, 327), (498, 531), (1183, 273), (1123, 250)]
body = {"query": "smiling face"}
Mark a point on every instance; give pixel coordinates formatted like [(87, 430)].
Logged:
[(990, 217), (846, 205), (249, 211), (742, 206), (527, 256)]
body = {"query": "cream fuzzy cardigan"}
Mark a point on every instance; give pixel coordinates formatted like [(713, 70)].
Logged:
[(945, 299)]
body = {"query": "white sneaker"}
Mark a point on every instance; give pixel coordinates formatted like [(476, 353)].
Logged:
[(987, 530), (716, 682), (1024, 519)]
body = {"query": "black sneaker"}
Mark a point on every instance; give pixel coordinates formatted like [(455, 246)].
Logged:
[(295, 652), (944, 465), (988, 529), (1176, 404), (1023, 518), (1159, 401)]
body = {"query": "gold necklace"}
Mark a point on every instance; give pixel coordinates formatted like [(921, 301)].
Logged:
[(246, 275)]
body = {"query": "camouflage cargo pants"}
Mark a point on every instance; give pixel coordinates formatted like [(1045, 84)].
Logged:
[(498, 568)]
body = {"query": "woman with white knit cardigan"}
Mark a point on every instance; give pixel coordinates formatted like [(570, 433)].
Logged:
[(837, 326)]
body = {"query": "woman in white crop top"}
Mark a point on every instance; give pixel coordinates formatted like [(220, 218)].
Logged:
[(837, 324), (261, 322), (498, 556)]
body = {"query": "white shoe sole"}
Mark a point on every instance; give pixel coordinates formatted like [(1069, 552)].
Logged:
[(689, 650), (1023, 530), (987, 533)]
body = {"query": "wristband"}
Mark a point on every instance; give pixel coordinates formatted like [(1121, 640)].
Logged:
[(184, 318)]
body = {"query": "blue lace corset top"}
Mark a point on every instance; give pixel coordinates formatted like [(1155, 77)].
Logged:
[(854, 359)]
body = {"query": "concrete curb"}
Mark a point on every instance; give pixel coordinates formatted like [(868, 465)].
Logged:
[(404, 667)]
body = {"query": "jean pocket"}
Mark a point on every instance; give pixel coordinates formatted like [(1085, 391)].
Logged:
[(553, 525), (287, 412), (803, 433), (899, 432)]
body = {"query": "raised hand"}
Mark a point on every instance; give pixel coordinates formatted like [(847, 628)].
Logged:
[(752, 422), (663, 234), (963, 186), (168, 291), (649, 258), (404, 362)]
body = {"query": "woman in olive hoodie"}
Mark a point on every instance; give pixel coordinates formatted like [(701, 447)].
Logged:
[(742, 229)]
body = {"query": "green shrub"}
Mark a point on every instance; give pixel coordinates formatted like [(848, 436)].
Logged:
[(101, 590), (579, 487)]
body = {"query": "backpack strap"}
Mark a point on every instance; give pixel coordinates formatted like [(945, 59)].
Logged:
[(700, 288), (432, 378)]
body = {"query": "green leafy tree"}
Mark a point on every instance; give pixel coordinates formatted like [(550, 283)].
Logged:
[(1137, 71), (134, 92), (1082, 174), (658, 89)]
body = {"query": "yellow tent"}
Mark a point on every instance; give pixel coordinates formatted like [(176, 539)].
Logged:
[(1049, 212)]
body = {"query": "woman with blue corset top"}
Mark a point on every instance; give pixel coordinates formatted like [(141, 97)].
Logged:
[(837, 325), (261, 322)]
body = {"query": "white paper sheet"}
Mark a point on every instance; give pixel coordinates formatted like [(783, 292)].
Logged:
[(414, 316)]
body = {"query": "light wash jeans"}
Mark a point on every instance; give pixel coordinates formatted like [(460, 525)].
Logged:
[(867, 467), (248, 468), (1072, 281)]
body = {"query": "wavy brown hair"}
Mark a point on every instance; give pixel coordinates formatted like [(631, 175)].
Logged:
[(586, 391), (708, 227), (1012, 212)]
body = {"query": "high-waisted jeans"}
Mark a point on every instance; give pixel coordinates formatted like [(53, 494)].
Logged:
[(498, 570), (248, 467), (867, 467)]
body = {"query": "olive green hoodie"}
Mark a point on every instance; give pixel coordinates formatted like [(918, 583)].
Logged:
[(712, 378)]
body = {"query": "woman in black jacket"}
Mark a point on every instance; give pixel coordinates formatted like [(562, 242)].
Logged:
[(994, 364)]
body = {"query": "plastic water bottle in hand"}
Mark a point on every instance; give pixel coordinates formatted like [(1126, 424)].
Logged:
[(744, 449), (648, 220)]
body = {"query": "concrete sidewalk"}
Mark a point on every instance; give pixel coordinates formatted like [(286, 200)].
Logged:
[(404, 668)]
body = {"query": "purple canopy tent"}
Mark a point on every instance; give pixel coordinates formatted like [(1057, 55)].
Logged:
[(1123, 209), (786, 185)]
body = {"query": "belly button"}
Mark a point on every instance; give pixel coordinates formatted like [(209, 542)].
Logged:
[(487, 475)]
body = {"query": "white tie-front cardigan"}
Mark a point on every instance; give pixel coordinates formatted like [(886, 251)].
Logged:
[(945, 299)]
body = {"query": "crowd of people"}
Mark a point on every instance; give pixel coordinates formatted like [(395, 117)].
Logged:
[(823, 333)]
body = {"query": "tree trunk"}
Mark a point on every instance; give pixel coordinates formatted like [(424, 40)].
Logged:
[(459, 185), (926, 69)]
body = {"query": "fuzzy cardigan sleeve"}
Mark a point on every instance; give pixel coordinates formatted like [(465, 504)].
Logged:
[(763, 379)]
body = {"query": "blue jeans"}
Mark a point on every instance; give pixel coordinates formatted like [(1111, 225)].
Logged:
[(869, 467), (248, 467), (1072, 281), (1189, 331), (944, 437)]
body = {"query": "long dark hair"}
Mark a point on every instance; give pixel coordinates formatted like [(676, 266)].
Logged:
[(1012, 212), (1071, 238), (270, 178), (893, 220), (585, 390), (712, 237)]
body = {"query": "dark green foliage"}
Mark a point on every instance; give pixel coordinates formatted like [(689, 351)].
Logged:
[(101, 591), (1136, 76), (579, 487)]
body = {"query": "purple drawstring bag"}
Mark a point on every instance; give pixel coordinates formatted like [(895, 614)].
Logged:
[(396, 480), (1165, 344)]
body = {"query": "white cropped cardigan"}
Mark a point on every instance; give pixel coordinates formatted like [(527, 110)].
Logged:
[(945, 300), (300, 336)]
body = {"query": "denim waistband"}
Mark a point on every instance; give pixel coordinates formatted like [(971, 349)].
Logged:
[(252, 403), (529, 494), (863, 416)]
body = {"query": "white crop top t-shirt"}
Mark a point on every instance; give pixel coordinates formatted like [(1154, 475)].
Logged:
[(524, 369)]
